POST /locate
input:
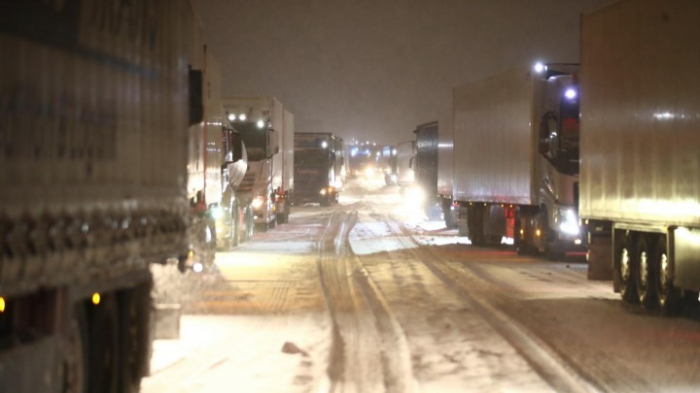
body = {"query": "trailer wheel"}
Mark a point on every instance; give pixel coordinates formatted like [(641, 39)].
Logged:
[(235, 225), (249, 225), (134, 319), (626, 271), (76, 361), (667, 295), (645, 281), (103, 345)]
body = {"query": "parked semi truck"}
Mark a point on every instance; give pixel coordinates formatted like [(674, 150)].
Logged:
[(516, 170), (445, 180), (216, 167), (640, 155), (94, 113), (267, 129), (425, 167), (318, 167)]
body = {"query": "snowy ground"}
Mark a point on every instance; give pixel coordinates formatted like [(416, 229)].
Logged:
[(370, 296)]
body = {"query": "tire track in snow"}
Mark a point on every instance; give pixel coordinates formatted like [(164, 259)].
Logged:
[(368, 351), (553, 368)]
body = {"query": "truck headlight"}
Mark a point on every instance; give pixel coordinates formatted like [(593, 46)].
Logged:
[(217, 212), (323, 191), (415, 195), (258, 202), (568, 223)]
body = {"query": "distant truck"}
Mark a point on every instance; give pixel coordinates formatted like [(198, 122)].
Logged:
[(388, 164), (516, 159), (267, 129), (425, 167), (318, 167), (445, 180), (640, 156), (405, 153), (364, 160), (93, 170), (216, 167)]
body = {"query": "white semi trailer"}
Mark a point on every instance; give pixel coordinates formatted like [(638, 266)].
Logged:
[(640, 149), (516, 158), (268, 133), (445, 179), (94, 113)]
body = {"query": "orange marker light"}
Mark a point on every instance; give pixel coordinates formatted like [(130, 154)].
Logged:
[(2, 304), (95, 298)]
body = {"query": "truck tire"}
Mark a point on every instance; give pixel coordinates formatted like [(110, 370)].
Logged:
[(249, 225), (625, 269), (667, 295), (134, 319), (76, 359), (645, 281), (599, 257), (103, 346)]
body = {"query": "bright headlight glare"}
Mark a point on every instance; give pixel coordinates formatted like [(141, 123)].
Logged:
[(568, 222), (258, 202), (242, 116), (217, 212), (416, 194), (260, 124), (232, 117), (323, 191)]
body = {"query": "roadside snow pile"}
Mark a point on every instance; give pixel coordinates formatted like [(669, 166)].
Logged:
[(434, 233)]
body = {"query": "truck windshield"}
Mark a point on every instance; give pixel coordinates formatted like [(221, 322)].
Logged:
[(312, 158), (255, 140)]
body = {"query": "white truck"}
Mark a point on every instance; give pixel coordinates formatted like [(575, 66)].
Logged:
[(94, 113), (516, 159), (405, 153), (216, 167), (445, 180), (640, 149), (267, 129)]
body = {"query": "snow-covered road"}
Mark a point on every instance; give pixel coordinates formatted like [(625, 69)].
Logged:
[(368, 296)]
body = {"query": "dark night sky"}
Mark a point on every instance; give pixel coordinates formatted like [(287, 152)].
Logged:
[(374, 69)]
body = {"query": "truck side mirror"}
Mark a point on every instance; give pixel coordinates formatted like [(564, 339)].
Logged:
[(196, 96)]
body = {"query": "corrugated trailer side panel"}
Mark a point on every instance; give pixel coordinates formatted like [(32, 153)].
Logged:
[(93, 137), (94, 106), (491, 125), (640, 139), (445, 148)]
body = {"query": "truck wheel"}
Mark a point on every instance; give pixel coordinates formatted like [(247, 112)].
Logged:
[(666, 294), (103, 346), (134, 319), (645, 273), (598, 257), (235, 226), (625, 270), (76, 360), (249, 225), (521, 240)]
